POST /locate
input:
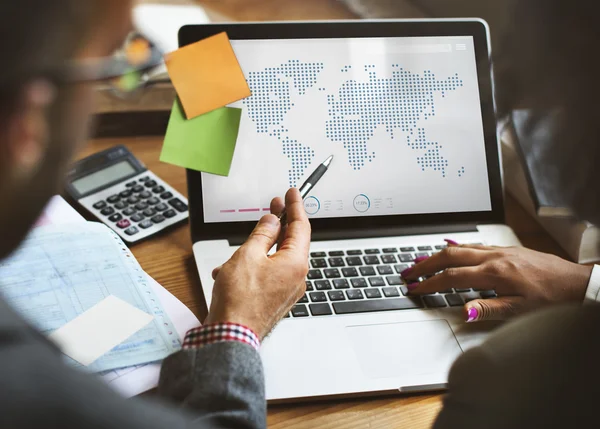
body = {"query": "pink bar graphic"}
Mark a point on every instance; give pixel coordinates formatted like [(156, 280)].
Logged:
[(227, 211), (248, 210), (266, 210)]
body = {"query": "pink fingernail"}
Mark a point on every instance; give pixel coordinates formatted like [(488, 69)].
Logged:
[(420, 259), (406, 271), (412, 286), (451, 242), (472, 314)]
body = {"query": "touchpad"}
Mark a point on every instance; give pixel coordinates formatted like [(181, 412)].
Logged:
[(394, 349)]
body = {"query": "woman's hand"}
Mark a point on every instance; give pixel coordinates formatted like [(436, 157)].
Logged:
[(523, 279)]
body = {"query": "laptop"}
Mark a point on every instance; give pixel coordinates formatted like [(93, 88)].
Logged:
[(406, 108)]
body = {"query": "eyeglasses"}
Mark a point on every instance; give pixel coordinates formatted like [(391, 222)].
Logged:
[(127, 71)]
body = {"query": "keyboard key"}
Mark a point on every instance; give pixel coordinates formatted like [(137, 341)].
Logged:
[(372, 293), (153, 201), (129, 211), (341, 284), (404, 289), (116, 217), (107, 211), (332, 273), (130, 184), (318, 255), (178, 205), (434, 301), (303, 300), (320, 309), (400, 267), (421, 255), (300, 311), (367, 271), (318, 297), (336, 253), (113, 199), (145, 224), (158, 190), (394, 280), (169, 213), (309, 285), (454, 300), (323, 285), (372, 252), (125, 194), (354, 261), (133, 200), (376, 281), (354, 252), (336, 262), (314, 274), (150, 184), (318, 263), (158, 218), (166, 195), (123, 223), (144, 194), (141, 206), (121, 205), (385, 269), (354, 294), (407, 249), (160, 207), (138, 217), (488, 294), (424, 248), (388, 259), (99, 205), (137, 188), (390, 250), (463, 290), (390, 292), (371, 260), (359, 282), (377, 305), (149, 212), (336, 295), (350, 272), (440, 247), (448, 291), (406, 257), (132, 230)]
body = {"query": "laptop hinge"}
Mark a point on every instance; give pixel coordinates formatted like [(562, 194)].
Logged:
[(378, 232)]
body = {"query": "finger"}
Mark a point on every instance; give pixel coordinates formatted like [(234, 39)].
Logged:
[(216, 272), (460, 278), (495, 309), (450, 257), (452, 243), (264, 235), (277, 206), (297, 234)]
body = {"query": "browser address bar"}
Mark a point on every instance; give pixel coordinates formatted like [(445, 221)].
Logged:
[(420, 49)]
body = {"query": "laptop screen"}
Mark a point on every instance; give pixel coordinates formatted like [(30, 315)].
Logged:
[(400, 115)]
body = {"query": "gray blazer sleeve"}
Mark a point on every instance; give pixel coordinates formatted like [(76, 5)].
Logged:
[(217, 386), (538, 372)]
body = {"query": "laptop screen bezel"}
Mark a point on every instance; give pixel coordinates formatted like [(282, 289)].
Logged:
[(345, 227)]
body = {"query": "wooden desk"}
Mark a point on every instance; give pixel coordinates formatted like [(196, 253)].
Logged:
[(169, 260)]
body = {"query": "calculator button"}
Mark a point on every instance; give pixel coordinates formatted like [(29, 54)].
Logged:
[(146, 224), (123, 223), (99, 205), (137, 188), (121, 205), (178, 205), (107, 211), (158, 218), (130, 184), (144, 194), (113, 199), (153, 201), (149, 212), (116, 217), (150, 184), (125, 194), (143, 179), (160, 207), (158, 189), (133, 200), (166, 195), (137, 217), (129, 211), (169, 213), (131, 230), (141, 206)]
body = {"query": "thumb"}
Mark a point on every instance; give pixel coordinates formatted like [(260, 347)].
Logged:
[(494, 309), (264, 236)]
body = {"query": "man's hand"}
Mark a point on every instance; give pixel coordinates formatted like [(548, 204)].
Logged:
[(257, 290), (523, 279)]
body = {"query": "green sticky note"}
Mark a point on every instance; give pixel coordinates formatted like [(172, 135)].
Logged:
[(204, 143)]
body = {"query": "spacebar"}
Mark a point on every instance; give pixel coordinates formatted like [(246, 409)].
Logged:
[(377, 305)]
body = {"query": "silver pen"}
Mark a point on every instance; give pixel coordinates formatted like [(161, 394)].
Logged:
[(309, 184)]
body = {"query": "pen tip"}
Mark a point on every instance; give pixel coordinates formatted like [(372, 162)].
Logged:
[(328, 161)]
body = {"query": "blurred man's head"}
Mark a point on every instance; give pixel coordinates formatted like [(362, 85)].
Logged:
[(43, 118)]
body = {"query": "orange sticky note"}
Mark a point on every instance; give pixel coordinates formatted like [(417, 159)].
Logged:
[(206, 75)]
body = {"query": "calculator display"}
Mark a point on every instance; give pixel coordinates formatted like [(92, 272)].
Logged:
[(103, 177)]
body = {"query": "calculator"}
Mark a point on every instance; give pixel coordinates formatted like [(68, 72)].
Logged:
[(117, 189)]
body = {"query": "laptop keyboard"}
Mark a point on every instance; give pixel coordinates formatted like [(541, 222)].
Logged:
[(369, 280)]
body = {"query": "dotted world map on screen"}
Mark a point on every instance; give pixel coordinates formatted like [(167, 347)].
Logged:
[(356, 109)]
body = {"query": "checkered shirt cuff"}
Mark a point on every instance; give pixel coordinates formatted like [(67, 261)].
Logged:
[(218, 332)]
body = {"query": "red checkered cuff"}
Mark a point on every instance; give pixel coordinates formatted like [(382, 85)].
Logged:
[(209, 334)]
